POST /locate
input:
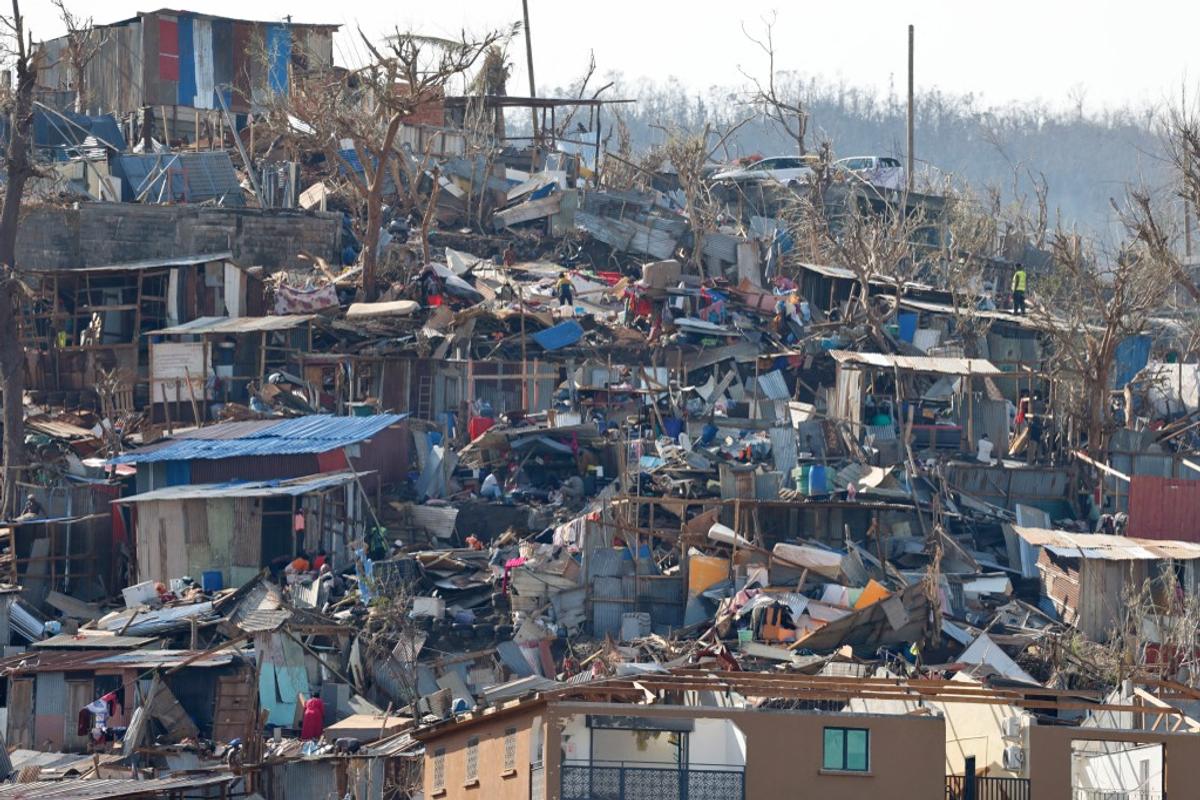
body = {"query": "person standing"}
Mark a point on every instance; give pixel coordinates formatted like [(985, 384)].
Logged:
[(1018, 290), (565, 289)]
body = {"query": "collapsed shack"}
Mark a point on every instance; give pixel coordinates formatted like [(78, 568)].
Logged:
[(47, 692), (237, 352), (230, 532), (933, 400), (82, 322)]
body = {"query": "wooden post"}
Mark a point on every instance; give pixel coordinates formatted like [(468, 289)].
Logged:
[(529, 64)]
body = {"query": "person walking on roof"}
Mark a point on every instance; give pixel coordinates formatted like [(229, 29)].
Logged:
[(1018, 290)]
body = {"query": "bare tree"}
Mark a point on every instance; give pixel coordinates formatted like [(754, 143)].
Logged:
[(19, 169), (1096, 309), (689, 154), (83, 44), (367, 107), (878, 247), (789, 115)]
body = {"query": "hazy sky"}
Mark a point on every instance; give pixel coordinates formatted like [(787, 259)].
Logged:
[(1115, 52)]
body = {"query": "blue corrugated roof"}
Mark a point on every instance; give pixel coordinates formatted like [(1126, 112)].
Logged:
[(317, 433)]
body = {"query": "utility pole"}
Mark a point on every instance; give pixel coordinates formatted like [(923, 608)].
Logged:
[(912, 162), (529, 63)]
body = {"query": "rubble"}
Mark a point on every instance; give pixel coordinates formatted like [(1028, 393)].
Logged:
[(574, 444)]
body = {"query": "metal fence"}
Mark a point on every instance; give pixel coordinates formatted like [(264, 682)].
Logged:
[(1110, 794), (620, 781), (962, 787)]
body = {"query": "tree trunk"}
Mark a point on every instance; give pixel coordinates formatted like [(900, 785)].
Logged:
[(371, 243), (1098, 407), (12, 357), (375, 210)]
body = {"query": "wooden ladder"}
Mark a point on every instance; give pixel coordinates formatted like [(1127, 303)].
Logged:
[(425, 397), (8, 555)]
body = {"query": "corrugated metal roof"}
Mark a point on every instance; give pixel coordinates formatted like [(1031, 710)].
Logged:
[(208, 491), (142, 264), (1040, 321), (73, 660), (774, 386), (317, 433), (1107, 547), (179, 177), (67, 641), (104, 788), (939, 366), (206, 325)]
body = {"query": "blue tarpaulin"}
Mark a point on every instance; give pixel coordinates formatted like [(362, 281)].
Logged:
[(1131, 357), (279, 51), (561, 335)]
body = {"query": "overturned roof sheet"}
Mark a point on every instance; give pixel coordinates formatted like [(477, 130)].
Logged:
[(936, 366), (87, 660), (278, 488), (315, 433), (1030, 321), (1107, 547), (210, 325)]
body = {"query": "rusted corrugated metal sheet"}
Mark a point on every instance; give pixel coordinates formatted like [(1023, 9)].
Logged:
[(1164, 508)]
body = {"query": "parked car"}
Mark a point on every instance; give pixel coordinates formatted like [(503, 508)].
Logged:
[(791, 171), (880, 171)]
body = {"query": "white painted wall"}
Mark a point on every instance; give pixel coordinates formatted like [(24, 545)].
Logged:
[(713, 742), (717, 742), (1132, 769)]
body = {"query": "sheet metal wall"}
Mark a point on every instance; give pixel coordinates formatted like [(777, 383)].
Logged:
[(1046, 488), (1164, 508), (180, 59)]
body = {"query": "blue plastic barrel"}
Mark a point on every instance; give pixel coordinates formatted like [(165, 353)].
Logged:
[(210, 581)]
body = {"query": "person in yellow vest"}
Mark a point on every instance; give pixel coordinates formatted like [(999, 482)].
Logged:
[(564, 289), (1018, 290)]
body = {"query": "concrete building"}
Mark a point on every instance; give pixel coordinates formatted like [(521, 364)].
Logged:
[(743, 735)]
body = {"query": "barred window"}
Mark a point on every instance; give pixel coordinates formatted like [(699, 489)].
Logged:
[(510, 749), (439, 769), (472, 759)]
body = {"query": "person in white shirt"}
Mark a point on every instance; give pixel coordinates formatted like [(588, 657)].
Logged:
[(491, 488), (984, 451)]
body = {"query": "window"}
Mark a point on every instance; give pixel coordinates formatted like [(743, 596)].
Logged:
[(846, 750), (472, 759), (510, 750), (439, 769)]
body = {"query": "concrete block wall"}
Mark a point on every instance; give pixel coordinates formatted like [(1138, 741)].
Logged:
[(98, 234)]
